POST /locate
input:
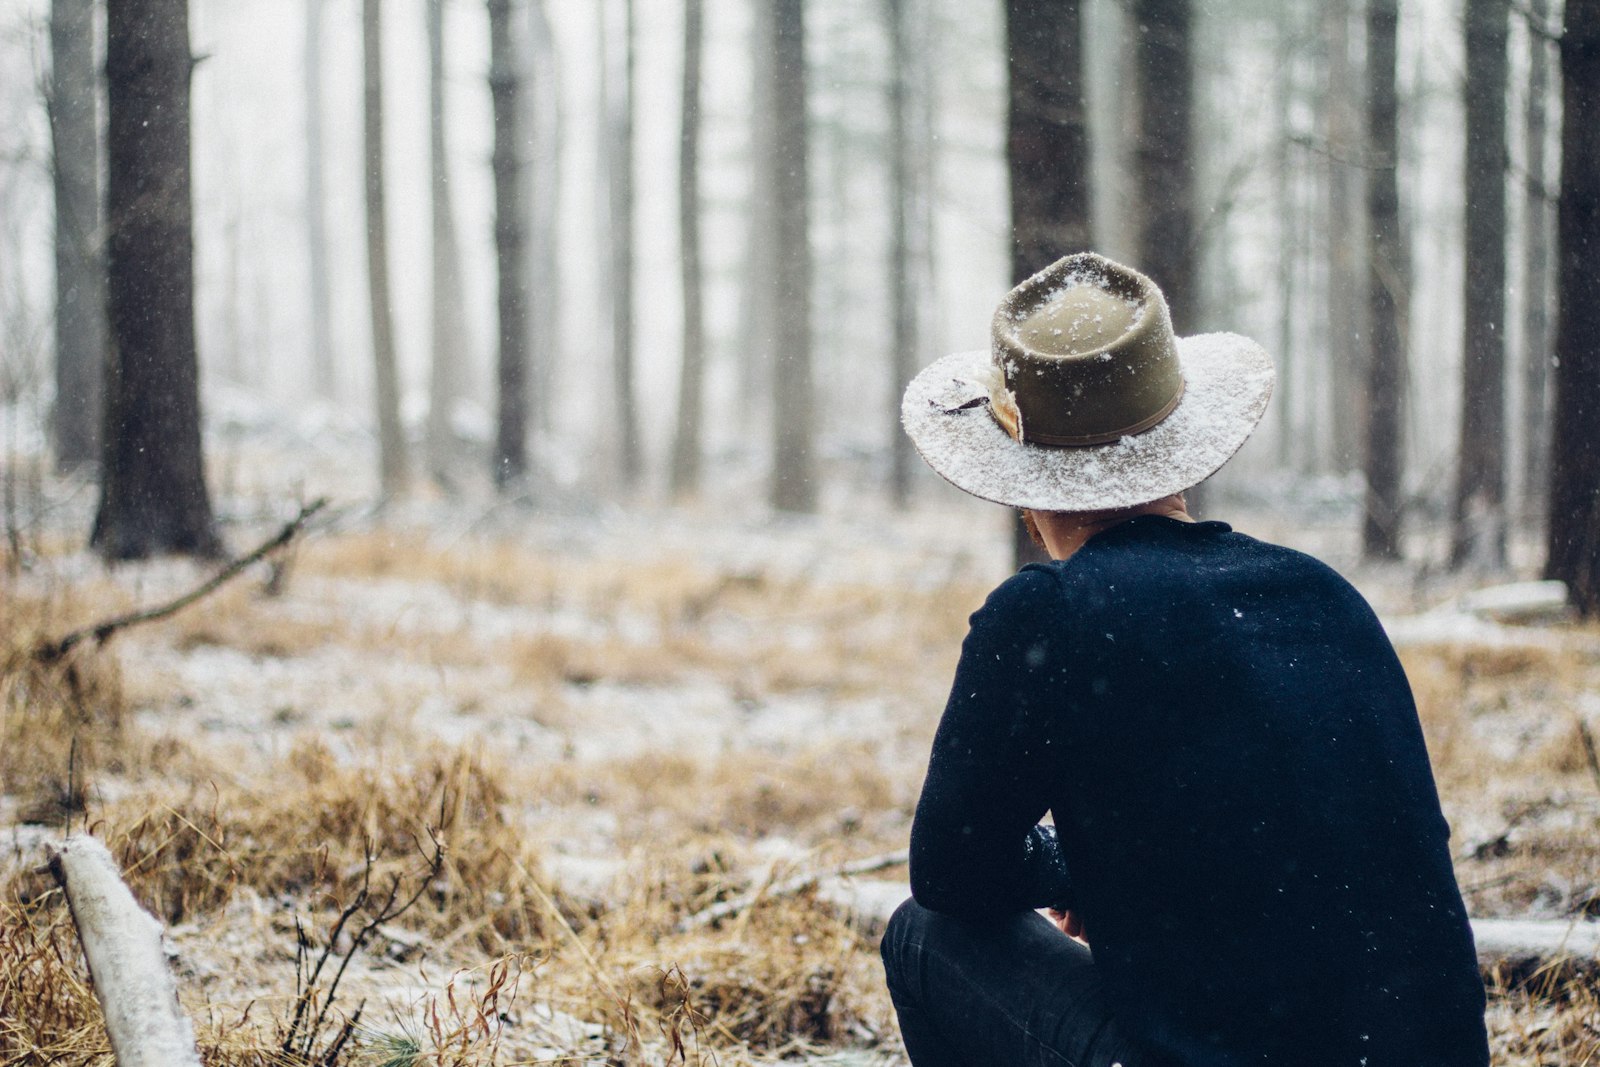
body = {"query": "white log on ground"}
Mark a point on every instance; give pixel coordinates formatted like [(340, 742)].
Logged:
[(122, 943), (1545, 940), (1499, 940), (1519, 602)]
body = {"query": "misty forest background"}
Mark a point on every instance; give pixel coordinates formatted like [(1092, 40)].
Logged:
[(638, 250), (578, 711)]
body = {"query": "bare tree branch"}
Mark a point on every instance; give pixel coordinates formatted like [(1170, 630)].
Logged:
[(101, 632)]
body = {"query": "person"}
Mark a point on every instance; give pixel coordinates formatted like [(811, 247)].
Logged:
[(1246, 840)]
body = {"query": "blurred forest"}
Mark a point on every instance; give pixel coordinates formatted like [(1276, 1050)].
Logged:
[(579, 712), (644, 250)]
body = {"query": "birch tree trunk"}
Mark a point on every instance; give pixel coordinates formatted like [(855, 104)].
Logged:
[(386, 371), (686, 443), (317, 274), (153, 496), (793, 467), (511, 445), (1574, 525), (1478, 531), (1388, 290), (74, 98), (449, 324)]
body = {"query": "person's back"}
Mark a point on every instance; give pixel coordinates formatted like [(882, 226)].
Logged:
[(1246, 826), (1246, 808)]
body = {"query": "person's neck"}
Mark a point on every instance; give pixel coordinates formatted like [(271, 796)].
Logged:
[(1065, 532)]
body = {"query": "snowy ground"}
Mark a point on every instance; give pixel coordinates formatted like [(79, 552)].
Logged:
[(742, 647)]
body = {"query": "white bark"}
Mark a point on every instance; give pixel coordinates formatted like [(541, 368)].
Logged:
[(1498, 940), (122, 943), (1535, 939)]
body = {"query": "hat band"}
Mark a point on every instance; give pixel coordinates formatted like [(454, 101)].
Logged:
[(1003, 408)]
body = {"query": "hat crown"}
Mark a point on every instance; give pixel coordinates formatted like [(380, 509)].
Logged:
[(1087, 353), (1082, 319)]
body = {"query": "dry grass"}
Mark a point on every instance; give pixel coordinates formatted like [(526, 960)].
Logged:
[(59, 724), (501, 962), (1504, 731)]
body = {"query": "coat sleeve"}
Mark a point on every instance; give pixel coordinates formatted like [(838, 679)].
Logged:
[(976, 844)]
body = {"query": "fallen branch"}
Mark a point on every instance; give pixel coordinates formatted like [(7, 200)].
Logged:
[(54, 651), (1538, 954), (122, 944), (734, 905), (1591, 754)]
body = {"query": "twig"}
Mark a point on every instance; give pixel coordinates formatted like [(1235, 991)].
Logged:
[(1539, 27), (101, 632), (1360, 160), (734, 905), (1591, 756), (300, 1039)]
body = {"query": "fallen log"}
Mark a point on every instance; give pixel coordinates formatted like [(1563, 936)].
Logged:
[(122, 944), (1515, 948), (734, 905), (1537, 953)]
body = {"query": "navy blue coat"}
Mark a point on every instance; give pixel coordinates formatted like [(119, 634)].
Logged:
[(1247, 818)]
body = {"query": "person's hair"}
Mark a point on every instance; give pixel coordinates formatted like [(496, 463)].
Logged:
[(1033, 531)]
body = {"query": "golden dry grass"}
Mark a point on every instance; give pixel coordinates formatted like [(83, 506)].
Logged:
[(231, 849), (1504, 729)]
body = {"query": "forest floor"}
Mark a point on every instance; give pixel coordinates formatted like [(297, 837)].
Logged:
[(570, 734)]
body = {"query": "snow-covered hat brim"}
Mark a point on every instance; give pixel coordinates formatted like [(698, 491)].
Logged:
[(1228, 380)]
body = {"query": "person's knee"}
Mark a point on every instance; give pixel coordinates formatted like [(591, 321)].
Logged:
[(901, 939)]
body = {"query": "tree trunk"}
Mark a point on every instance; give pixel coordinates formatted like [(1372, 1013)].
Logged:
[(1478, 530), (542, 119), (620, 184), (1574, 530), (1164, 162), (1165, 155), (686, 444), (386, 377), (80, 287), (449, 326), (793, 476), (322, 369), (1536, 272), (904, 207), (755, 332), (1388, 290), (1346, 280), (1047, 153), (1286, 203), (153, 495), (511, 444), (1047, 142)]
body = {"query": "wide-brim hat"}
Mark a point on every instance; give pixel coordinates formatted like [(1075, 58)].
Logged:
[(1087, 400)]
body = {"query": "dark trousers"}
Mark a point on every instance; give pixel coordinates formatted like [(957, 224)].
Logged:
[(1013, 992)]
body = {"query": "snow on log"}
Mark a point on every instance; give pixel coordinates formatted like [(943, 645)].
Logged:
[(1523, 944), (1518, 602), (1536, 941), (122, 943)]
